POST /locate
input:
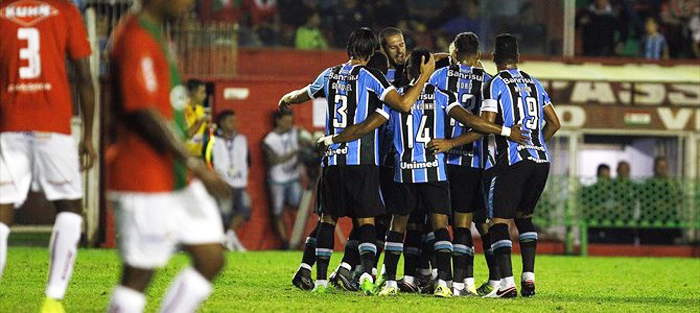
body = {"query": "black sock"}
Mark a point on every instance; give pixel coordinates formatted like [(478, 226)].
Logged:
[(443, 254), (502, 246), (427, 252), (528, 243), (309, 257), (352, 255), (461, 254), (392, 252), (494, 274), (324, 249), (411, 252), (367, 248), (380, 230)]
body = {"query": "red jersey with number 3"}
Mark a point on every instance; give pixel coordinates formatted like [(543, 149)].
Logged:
[(37, 35)]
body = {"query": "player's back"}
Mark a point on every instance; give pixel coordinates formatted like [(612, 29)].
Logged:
[(413, 131), (517, 98), (351, 92), (466, 82), (37, 35), (145, 76)]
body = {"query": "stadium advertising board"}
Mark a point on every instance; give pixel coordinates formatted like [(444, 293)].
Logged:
[(627, 105)]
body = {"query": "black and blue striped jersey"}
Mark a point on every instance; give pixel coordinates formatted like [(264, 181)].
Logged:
[(349, 91), (414, 163), (516, 98), (466, 82)]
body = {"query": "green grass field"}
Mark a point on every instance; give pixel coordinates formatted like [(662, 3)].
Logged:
[(260, 281)]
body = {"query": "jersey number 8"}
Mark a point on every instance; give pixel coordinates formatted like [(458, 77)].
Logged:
[(30, 53)]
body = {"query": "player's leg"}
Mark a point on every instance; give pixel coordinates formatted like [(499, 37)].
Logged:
[(436, 199), (463, 188), (15, 180), (425, 274), (342, 276), (302, 278), (411, 252), (480, 220), (526, 229), (367, 248), (63, 247), (381, 226), (332, 198), (198, 227), (324, 250), (393, 247)]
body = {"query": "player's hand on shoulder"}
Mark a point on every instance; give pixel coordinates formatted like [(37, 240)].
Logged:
[(427, 67), (517, 134), (440, 145), (284, 103)]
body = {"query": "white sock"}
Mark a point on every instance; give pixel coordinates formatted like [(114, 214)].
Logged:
[(442, 283), (126, 300), (495, 283), (434, 274), (346, 266), (507, 282), (304, 266), (469, 281), (4, 233), (392, 283), (321, 282), (409, 279), (186, 293), (528, 276), (63, 250), (459, 286), (366, 276)]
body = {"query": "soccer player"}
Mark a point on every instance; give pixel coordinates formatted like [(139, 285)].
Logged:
[(35, 128), (464, 161), (350, 184), (157, 204), (230, 159), (394, 46), (281, 147), (421, 174), (520, 170)]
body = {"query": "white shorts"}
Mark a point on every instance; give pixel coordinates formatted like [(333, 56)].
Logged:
[(49, 161), (151, 225)]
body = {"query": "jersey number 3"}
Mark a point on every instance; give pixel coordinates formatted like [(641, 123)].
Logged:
[(30, 53), (341, 120)]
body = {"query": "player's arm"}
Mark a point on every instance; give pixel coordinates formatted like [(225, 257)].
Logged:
[(403, 103), (444, 145), (155, 130), (357, 131), (553, 124), (86, 93), (294, 97), (485, 126)]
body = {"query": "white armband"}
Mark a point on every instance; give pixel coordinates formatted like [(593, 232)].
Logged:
[(505, 131)]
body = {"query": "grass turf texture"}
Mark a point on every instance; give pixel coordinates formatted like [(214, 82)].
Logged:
[(261, 281)]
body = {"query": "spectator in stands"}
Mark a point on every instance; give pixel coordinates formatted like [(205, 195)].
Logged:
[(662, 202), (309, 36), (230, 159), (675, 15), (348, 16), (694, 28), (597, 203), (625, 192), (281, 148), (600, 23), (654, 46), (196, 116)]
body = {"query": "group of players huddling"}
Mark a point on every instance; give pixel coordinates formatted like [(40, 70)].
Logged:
[(410, 150)]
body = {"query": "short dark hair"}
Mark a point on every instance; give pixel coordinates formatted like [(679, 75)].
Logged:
[(362, 44), (466, 44), (415, 60), (506, 49), (388, 32), (278, 114), (601, 168), (193, 84), (379, 62), (223, 115)]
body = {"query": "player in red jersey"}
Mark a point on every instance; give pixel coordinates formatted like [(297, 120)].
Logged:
[(156, 204), (35, 133)]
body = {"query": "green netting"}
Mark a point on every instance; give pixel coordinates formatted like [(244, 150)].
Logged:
[(637, 203)]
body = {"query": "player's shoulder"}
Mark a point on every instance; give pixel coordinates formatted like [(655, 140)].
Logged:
[(130, 32), (445, 94), (533, 78), (364, 70)]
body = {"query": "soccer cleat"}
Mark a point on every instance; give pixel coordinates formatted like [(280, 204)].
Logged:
[(408, 287), (527, 288), (380, 281), (442, 291), (429, 287), (367, 287), (471, 291), (457, 292), (506, 294), (485, 289), (303, 281), (342, 282), (388, 291), (320, 289), (52, 306)]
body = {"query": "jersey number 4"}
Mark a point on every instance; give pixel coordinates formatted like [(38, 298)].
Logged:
[(532, 111), (423, 134), (30, 53)]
